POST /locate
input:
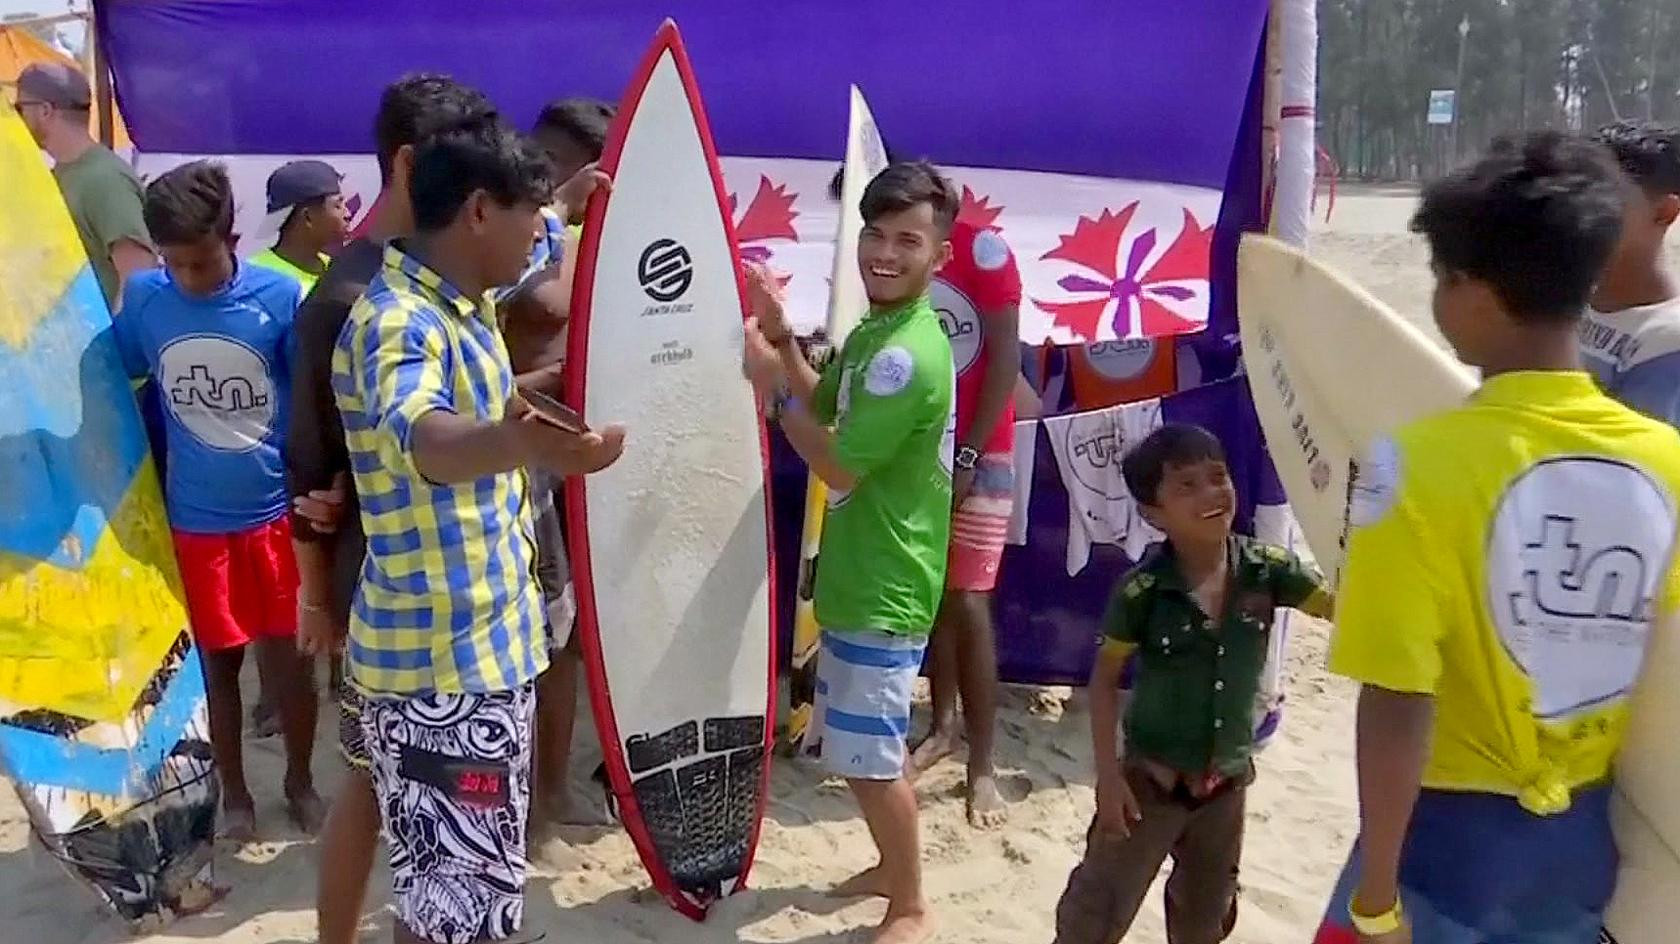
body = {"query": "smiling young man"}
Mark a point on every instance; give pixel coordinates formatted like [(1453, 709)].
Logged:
[(877, 426)]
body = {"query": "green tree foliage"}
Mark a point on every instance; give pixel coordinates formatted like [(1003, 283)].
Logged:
[(1525, 64)]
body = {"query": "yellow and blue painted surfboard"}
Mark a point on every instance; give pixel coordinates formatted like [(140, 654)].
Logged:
[(103, 727)]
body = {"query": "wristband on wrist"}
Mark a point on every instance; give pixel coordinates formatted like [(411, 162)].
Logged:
[(1373, 925), (309, 607)]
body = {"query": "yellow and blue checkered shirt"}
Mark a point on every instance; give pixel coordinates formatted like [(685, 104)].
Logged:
[(447, 599)]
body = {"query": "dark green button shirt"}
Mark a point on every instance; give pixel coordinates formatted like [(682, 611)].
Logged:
[(1198, 678)]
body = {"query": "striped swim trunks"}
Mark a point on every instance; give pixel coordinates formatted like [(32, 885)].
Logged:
[(980, 524), (865, 681)]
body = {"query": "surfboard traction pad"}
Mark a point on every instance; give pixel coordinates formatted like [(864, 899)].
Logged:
[(150, 861), (697, 786)]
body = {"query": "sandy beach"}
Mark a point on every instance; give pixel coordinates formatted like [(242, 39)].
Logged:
[(997, 887)]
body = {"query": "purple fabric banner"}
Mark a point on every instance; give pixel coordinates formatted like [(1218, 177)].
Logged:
[(1140, 89)]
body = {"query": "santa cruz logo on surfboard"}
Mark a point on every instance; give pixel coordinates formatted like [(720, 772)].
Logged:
[(665, 270)]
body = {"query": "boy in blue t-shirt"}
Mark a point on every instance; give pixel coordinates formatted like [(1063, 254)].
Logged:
[(213, 334)]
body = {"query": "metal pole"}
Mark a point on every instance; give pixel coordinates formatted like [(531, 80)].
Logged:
[(1651, 74), (1458, 90), (102, 81)]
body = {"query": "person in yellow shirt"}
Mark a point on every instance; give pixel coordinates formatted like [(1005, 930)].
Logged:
[(1506, 564)]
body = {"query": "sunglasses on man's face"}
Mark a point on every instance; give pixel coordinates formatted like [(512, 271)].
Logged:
[(21, 103)]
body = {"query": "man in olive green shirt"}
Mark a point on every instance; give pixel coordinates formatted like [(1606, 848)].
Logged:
[(1196, 613), (99, 188)]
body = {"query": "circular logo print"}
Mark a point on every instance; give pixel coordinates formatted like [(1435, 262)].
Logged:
[(1121, 360), (665, 270), (218, 389), (961, 321), (991, 253), (1575, 554)]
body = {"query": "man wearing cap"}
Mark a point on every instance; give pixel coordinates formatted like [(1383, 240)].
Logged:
[(306, 217), (102, 192)]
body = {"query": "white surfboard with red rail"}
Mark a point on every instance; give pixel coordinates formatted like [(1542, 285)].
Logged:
[(670, 547)]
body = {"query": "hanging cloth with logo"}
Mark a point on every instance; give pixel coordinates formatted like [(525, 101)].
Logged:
[(1101, 510)]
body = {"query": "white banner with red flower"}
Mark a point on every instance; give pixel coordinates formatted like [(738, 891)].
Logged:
[(1101, 260)]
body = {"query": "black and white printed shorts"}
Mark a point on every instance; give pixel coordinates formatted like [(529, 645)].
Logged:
[(352, 746), (453, 776)]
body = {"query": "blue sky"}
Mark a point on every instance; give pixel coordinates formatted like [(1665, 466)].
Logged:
[(33, 6), (41, 7)]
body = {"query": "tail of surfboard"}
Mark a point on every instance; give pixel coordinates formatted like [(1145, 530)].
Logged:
[(103, 729)]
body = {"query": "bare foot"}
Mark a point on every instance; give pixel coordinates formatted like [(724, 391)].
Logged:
[(239, 823), (908, 928), (306, 810), (870, 883), (938, 745), (986, 807)]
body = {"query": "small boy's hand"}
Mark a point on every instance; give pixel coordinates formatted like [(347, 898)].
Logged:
[(316, 633), (1117, 807), (323, 507)]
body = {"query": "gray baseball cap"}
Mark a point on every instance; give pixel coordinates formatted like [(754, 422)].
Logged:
[(55, 83)]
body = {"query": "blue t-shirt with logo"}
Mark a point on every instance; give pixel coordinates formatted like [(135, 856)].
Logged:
[(220, 364)]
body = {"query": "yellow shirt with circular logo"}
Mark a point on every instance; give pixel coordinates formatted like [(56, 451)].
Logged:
[(1511, 558)]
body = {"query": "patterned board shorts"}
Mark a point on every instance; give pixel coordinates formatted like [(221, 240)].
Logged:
[(980, 525), (452, 773), (865, 681), (352, 746)]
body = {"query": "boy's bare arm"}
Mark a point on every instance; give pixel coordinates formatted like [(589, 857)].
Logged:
[(1394, 731), (1104, 692)]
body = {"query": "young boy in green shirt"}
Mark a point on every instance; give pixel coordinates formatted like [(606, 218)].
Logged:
[(1196, 612)]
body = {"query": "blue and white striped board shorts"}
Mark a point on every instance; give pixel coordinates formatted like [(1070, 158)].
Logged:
[(864, 684)]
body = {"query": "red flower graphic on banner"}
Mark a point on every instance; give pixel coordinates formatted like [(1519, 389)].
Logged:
[(1118, 292), (977, 211), (769, 217)]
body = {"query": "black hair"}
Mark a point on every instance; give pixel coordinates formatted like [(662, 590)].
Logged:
[(1647, 151), (1535, 218), (418, 106), (1145, 465), (837, 183), (188, 203), (315, 203), (904, 185), (488, 155), (584, 120)]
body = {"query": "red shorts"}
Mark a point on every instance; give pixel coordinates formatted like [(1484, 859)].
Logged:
[(980, 524), (240, 586)]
